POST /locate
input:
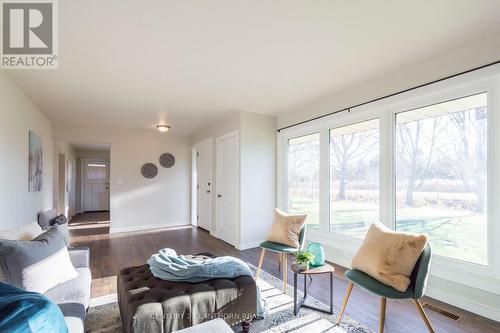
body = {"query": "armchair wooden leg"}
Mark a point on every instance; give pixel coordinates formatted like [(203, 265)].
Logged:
[(383, 304), (285, 270), (423, 315), (279, 261), (262, 253), (346, 299)]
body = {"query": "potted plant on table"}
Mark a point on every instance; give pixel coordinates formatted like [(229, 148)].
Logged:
[(303, 259)]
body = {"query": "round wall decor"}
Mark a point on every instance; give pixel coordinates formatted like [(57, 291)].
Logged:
[(149, 170), (167, 160)]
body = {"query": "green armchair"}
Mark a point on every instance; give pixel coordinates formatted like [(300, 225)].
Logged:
[(415, 291), (282, 251)]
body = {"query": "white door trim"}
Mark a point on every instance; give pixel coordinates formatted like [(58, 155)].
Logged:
[(219, 139), (82, 179)]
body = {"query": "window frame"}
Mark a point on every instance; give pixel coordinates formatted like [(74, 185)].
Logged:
[(324, 127), (351, 121), (486, 80), (457, 262), (286, 203)]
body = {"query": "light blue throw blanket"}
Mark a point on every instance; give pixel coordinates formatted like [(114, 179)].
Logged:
[(167, 265)]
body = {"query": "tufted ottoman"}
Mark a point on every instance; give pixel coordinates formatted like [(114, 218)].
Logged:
[(148, 304)]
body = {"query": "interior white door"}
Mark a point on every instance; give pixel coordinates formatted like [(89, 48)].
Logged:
[(227, 187), (95, 185), (204, 184)]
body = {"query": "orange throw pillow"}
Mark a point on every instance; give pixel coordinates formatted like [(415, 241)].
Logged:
[(389, 256), (286, 228)]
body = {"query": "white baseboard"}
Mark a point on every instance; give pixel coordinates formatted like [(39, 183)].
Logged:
[(249, 245), (115, 230), (464, 303)]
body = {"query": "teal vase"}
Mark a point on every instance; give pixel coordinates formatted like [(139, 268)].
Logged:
[(319, 254)]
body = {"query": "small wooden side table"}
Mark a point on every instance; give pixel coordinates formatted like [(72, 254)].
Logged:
[(325, 269)]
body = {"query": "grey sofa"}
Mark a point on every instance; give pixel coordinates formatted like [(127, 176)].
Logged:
[(73, 297)]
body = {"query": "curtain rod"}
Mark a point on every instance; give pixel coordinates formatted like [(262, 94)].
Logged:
[(348, 109)]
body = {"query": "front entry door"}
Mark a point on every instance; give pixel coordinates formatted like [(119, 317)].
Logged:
[(95, 185)]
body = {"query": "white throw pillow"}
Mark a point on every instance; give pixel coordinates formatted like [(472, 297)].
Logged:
[(49, 272), (38, 264), (26, 232), (389, 256), (286, 228)]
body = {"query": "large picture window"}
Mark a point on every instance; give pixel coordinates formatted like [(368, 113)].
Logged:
[(422, 161), (354, 177), (303, 177), (441, 178)]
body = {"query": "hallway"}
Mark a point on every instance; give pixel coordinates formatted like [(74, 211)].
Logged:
[(88, 224)]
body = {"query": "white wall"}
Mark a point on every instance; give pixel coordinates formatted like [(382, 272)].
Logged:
[(138, 203), (91, 153), (258, 177), (18, 115)]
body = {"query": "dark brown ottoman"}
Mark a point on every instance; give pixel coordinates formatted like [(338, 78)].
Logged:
[(148, 304)]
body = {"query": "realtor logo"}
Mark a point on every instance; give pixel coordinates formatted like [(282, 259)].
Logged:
[(29, 34)]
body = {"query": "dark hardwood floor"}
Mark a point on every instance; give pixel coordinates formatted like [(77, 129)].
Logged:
[(93, 223), (110, 253)]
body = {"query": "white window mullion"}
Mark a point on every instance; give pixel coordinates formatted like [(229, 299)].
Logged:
[(388, 188), (324, 183), (493, 169)]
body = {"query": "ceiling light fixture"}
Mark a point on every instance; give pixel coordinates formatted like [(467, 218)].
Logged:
[(163, 128)]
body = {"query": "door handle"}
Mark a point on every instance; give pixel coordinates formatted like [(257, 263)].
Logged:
[(219, 195), (208, 191)]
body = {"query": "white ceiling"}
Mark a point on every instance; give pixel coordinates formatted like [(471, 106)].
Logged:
[(189, 63)]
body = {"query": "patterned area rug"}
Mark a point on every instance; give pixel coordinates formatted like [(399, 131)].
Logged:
[(104, 315)]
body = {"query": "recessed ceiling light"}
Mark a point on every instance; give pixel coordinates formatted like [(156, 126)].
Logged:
[(163, 128)]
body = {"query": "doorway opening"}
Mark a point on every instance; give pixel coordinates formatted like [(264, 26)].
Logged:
[(62, 208), (92, 189)]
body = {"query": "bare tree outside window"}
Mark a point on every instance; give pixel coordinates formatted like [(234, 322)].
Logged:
[(354, 177), (303, 177), (441, 176)]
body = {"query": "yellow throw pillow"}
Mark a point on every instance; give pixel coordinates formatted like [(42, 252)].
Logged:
[(389, 256), (286, 228)]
